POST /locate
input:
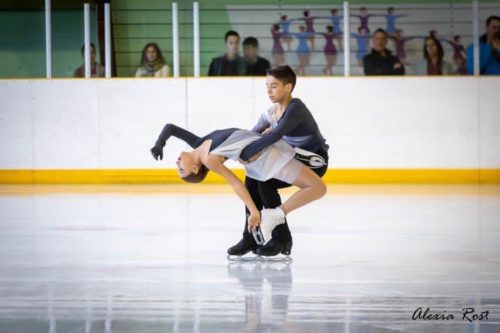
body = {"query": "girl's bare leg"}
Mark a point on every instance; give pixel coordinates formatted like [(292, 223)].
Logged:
[(311, 188), (311, 41)]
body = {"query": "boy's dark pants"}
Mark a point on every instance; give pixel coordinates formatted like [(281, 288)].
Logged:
[(265, 195)]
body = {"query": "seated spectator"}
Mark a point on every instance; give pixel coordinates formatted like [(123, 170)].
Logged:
[(434, 63), (230, 63), (489, 49), (96, 69), (255, 64), (152, 63), (381, 61)]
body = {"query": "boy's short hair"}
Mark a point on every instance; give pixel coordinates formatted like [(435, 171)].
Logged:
[(229, 34), (492, 18), (283, 73), (381, 31), (251, 41)]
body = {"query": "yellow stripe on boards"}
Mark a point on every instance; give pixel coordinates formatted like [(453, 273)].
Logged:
[(169, 176)]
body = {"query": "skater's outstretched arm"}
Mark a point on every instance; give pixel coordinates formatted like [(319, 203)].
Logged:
[(173, 130), (215, 163)]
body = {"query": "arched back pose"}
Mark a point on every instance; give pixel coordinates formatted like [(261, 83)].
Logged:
[(276, 161)]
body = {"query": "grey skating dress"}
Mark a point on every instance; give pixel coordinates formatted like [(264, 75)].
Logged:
[(276, 161)]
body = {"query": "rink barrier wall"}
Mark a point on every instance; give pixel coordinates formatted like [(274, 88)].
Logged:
[(380, 130), (169, 176)]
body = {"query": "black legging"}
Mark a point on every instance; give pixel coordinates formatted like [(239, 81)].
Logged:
[(265, 195)]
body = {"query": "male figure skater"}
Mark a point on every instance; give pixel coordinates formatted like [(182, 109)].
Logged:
[(288, 119)]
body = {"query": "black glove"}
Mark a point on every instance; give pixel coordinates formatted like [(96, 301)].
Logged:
[(157, 152)]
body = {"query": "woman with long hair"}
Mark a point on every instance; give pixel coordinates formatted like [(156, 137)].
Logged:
[(152, 62), (433, 62)]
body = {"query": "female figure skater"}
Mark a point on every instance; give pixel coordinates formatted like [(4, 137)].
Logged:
[(285, 28), (303, 50), (363, 41), (364, 17), (277, 50), (309, 20), (399, 42), (337, 31), (276, 161), (329, 50)]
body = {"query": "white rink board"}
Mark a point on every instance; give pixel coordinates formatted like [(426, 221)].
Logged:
[(368, 122)]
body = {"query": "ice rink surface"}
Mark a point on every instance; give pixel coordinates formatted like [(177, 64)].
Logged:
[(152, 259)]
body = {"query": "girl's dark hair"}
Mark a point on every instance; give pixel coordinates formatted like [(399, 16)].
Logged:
[(284, 74), (439, 48), (196, 177), (144, 59), (329, 28)]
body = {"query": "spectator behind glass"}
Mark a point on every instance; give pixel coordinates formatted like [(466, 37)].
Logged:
[(96, 69), (434, 63), (255, 64), (381, 61), (489, 49), (230, 64), (152, 63)]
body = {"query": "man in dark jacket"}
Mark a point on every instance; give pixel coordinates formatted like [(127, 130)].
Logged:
[(256, 66), (230, 64), (381, 61)]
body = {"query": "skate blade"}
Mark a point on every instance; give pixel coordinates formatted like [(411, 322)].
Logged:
[(241, 258), (285, 258), (259, 258)]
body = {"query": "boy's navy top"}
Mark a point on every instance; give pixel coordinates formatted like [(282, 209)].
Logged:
[(296, 126)]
